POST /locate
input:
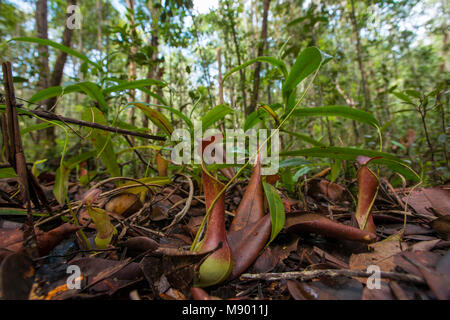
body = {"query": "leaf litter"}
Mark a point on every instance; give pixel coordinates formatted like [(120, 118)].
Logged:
[(321, 238)]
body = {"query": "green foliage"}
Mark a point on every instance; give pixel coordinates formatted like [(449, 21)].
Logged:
[(276, 208)]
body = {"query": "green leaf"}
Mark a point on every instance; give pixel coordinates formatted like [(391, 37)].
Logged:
[(287, 180), (133, 85), (278, 64), (7, 173), (181, 115), (94, 92), (308, 61), (102, 141), (154, 116), (19, 212), (294, 162), (335, 170), (215, 114), (341, 111), (61, 182), (414, 94), (254, 118), (402, 97), (76, 160), (153, 95), (305, 138), (35, 127), (276, 207), (391, 161), (52, 92), (58, 46)]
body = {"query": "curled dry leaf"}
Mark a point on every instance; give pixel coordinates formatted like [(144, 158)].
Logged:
[(442, 226), (12, 240), (311, 222), (124, 204), (139, 244), (331, 190)]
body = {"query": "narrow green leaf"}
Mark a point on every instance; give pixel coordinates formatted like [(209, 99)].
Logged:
[(53, 92), (7, 173), (276, 207), (306, 63), (340, 111), (335, 170), (391, 161), (133, 85), (278, 64), (402, 97), (94, 92), (58, 46), (36, 127), (102, 141), (61, 183), (154, 116), (215, 114), (305, 138)]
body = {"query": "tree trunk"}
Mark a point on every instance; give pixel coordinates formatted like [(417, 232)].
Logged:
[(58, 68), (153, 71), (132, 63), (365, 87), (261, 45), (42, 32), (99, 25), (238, 55)]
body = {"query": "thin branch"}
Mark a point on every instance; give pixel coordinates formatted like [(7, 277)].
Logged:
[(312, 274)]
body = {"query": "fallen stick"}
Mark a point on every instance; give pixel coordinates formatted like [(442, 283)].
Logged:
[(52, 116), (312, 274)]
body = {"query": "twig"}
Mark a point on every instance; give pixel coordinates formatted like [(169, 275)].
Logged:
[(312, 274), (183, 212), (52, 116), (138, 154)]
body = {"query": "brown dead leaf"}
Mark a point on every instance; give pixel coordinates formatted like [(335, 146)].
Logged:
[(442, 226), (124, 204), (382, 255)]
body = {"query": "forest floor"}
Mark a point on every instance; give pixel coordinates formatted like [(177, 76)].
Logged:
[(147, 260)]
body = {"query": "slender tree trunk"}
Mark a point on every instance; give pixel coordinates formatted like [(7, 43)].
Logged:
[(238, 55), (153, 69), (99, 25), (261, 46), (219, 65), (42, 32), (365, 87), (132, 63), (57, 74)]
